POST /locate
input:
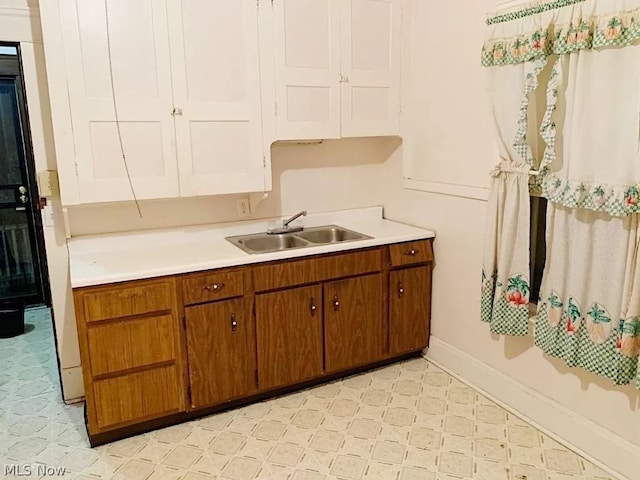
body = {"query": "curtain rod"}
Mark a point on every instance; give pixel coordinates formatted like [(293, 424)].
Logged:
[(534, 10)]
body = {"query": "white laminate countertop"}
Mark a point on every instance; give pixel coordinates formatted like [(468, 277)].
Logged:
[(117, 257)]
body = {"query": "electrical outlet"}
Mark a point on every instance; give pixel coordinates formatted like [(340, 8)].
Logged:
[(242, 207)]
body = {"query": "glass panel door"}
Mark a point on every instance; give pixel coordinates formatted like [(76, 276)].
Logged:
[(19, 273)]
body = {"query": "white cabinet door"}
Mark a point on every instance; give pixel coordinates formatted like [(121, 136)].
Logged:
[(307, 63), (371, 49), (216, 84), (142, 81)]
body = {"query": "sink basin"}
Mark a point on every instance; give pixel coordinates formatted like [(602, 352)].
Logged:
[(263, 243), (309, 237), (330, 234)]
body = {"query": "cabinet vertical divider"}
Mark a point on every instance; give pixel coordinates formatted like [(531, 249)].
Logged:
[(386, 262), (182, 341), (324, 329)]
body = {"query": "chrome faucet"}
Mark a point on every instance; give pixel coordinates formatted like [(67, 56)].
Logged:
[(285, 224)]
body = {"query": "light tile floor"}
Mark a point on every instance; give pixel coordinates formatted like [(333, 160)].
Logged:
[(409, 421)]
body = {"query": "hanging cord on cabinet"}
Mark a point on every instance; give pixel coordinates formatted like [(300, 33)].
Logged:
[(115, 109)]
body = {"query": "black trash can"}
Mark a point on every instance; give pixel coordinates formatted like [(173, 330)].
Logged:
[(11, 320)]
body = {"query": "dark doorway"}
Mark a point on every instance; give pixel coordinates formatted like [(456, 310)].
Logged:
[(23, 272)]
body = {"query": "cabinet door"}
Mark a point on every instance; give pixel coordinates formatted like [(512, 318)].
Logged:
[(307, 68), (289, 333), (216, 81), (371, 48), (409, 309), (221, 352), (354, 332), (142, 83)]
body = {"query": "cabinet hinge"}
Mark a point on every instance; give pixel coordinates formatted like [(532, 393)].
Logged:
[(264, 162)]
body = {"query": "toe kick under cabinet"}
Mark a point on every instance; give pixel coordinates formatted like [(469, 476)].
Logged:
[(160, 351)]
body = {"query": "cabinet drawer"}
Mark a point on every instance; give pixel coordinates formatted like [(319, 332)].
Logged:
[(317, 269), (124, 301), (409, 253), (207, 287), (137, 397), (115, 347)]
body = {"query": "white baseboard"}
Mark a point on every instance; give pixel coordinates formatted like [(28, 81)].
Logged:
[(72, 385), (590, 440)]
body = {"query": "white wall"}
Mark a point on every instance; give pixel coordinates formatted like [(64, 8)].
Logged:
[(447, 132)]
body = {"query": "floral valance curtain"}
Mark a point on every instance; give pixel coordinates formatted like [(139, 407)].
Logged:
[(591, 123), (573, 67)]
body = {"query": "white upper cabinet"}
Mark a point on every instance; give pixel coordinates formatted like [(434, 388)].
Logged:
[(371, 36), (142, 83), (186, 76), (337, 68), (199, 89), (216, 91), (307, 59)]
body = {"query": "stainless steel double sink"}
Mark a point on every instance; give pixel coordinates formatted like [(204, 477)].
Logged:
[(308, 237)]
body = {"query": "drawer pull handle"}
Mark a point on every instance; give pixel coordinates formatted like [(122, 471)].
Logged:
[(216, 287), (312, 307), (336, 303), (234, 322), (411, 253), (400, 289)]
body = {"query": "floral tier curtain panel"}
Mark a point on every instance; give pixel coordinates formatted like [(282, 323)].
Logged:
[(563, 79)]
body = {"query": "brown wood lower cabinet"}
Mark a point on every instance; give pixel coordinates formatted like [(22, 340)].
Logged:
[(131, 347), (289, 334), (169, 349), (221, 352), (353, 322), (409, 309)]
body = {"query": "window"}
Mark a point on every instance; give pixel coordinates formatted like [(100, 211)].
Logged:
[(538, 249)]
